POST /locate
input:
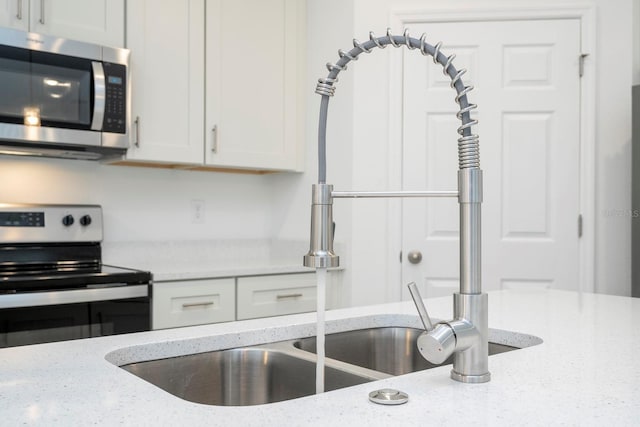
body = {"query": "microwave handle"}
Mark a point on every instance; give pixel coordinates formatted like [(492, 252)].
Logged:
[(99, 90)]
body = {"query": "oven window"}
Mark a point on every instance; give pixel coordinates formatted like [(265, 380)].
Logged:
[(45, 89), (34, 325), (49, 323), (120, 316)]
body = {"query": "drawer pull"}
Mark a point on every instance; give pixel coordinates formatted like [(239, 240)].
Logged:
[(197, 304), (287, 296)]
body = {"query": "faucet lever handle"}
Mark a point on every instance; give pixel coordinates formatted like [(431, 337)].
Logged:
[(422, 310)]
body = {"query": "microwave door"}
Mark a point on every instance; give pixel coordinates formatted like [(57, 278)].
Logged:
[(61, 88), (48, 98), (99, 90)]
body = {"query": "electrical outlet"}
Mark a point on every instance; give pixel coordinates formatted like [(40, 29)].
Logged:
[(197, 211)]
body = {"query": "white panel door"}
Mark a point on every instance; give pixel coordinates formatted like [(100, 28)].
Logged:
[(527, 89)]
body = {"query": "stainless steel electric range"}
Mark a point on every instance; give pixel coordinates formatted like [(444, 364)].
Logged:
[(53, 284)]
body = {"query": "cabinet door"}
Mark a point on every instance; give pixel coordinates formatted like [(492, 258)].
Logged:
[(193, 302), (92, 21), (264, 296), (166, 39), (254, 107), (14, 14)]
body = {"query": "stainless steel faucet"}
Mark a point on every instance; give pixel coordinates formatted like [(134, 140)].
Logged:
[(466, 335)]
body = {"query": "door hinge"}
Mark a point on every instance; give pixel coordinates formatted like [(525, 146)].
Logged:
[(580, 225), (581, 63)]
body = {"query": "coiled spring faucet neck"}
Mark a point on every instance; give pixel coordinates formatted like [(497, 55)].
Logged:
[(468, 150)]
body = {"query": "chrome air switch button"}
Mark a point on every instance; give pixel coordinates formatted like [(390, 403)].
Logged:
[(388, 396)]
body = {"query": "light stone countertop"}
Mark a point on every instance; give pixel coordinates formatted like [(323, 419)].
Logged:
[(586, 372)]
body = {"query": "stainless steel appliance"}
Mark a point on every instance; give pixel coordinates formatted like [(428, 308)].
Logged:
[(62, 98), (53, 285)]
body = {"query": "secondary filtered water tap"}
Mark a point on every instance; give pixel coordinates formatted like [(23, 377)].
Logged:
[(466, 336)]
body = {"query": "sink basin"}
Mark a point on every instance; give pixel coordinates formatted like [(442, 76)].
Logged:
[(391, 350), (239, 377), (284, 370)]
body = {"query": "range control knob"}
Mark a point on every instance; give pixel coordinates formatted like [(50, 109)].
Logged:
[(67, 220), (85, 220)]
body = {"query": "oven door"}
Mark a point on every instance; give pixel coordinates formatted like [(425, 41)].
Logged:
[(39, 317)]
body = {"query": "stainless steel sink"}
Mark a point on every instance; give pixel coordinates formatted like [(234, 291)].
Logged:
[(391, 350), (239, 377), (286, 370)]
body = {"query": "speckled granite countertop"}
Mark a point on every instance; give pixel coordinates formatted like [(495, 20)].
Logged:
[(586, 372)]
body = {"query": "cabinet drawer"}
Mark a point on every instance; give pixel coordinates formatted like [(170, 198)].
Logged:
[(276, 295), (193, 302)]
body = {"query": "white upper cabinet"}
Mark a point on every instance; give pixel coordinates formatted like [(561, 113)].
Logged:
[(254, 70), (93, 21), (166, 39), (14, 14), (242, 109)]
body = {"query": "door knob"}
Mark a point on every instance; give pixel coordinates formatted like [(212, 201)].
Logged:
[(414, 257)]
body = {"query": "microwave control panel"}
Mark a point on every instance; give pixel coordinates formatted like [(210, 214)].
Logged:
[(115, 113)]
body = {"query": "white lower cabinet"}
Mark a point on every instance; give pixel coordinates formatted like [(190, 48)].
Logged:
[(264, 296), (197, 302), (193, 302)]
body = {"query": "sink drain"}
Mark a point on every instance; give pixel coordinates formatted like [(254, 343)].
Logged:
[(388, 396)]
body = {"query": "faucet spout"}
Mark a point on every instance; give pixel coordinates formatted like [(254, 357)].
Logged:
[(466, 336), (321, 253)]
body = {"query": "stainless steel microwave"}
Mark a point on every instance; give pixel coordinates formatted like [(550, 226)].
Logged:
[(62, 98)]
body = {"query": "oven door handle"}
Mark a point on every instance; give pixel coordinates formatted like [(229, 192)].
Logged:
[(37, 299)]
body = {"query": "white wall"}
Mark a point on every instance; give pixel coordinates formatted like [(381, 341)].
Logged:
[(613, 146), (145, 203)]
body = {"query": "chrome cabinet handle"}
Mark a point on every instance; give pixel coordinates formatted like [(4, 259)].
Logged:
[(287, 296), (137, 123), (197, 304), (19, 14), (214, 140), (41, 12)]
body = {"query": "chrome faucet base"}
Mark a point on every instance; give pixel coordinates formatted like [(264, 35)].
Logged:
[(471, 362), (471, 379)]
